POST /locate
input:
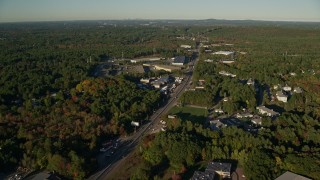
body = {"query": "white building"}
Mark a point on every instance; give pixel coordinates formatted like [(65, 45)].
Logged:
[(226, 53), (267, 111), (166, 68), (224, 73), (281, 97), (185, 46), (227, 61), (208, 60), (244, 115), (250, 82), (293, 74), (287, 88), (219, 111), (142, 80), (172, 116)]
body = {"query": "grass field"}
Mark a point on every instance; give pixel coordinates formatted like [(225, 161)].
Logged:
[(190, 113)]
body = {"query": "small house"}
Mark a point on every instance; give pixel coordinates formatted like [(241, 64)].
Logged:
[(297, 90), (281, 96), (250, 82), (266, 111), (172, 116), (185, 46), (257, 120)]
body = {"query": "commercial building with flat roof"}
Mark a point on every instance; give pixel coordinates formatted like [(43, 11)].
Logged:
[(179, 61)]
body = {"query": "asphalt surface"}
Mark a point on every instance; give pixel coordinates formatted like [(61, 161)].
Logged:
[(126, 147)]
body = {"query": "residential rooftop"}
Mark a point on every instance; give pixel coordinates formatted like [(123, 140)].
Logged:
[(166, 68), (297, 90), (226, 53), (267, 111), (198, 175), (291, 176)]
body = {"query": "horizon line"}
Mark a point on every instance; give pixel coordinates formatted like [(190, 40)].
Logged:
[(161, 19)]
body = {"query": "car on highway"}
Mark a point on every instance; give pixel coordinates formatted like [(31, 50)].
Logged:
[(116, 145), (105, 149)]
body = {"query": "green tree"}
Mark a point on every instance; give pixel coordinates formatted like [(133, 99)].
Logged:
[(260, 165)]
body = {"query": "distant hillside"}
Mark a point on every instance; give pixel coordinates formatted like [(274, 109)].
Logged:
[(155, 23)]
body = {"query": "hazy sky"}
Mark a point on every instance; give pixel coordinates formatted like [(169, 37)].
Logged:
[(49, 10)]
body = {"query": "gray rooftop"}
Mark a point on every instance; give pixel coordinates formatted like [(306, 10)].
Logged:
[(41, 176), (198, 175), (291, 176), (180, 59)]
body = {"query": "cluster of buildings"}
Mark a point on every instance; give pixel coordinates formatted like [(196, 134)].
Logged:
[(177, 63), (283, 93), (224, 53), (165, 84), (217, 124), (156, 82), (144, 65), (218, 170)]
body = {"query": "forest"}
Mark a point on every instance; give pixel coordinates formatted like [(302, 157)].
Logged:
[(54, 114)]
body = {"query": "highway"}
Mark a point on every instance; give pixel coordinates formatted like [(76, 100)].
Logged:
[(126, 147)]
